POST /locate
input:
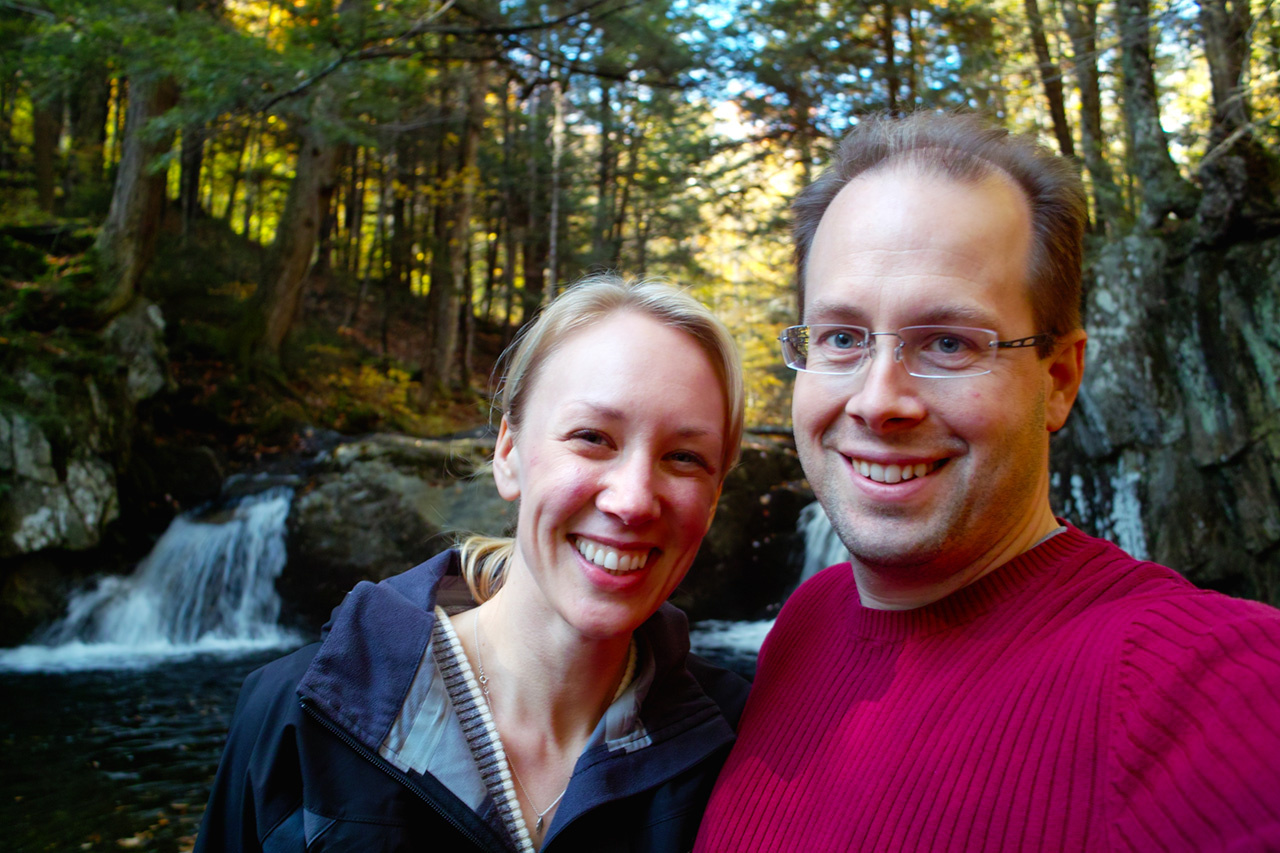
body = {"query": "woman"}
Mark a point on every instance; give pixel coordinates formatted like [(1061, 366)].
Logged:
[(564, 712)]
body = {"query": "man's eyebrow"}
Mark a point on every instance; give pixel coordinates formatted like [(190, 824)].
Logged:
[(826, 313), (832, 312), (951, 315)]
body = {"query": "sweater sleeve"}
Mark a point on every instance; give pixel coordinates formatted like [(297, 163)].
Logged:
[(1195, 748)]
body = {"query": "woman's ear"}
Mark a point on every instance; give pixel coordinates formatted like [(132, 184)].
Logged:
[(506, 463)]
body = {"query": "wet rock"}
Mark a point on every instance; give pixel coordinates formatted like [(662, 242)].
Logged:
[(378, 506), (42, 508), (137, 334)]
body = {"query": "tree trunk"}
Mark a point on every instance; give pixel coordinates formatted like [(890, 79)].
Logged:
[(628, 172), (606, 184), (460, 239), (84, 188), (189, 183), (551, 285), (1082, 23), (278, 299), (1224, 25), (1161, 189), (1238, 175), (891, 80), (353, 211), (45, 132), (126, 242), (533, 245), (1050, 79)]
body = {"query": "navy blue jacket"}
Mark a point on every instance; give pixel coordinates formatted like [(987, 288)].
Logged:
[(306, 765)]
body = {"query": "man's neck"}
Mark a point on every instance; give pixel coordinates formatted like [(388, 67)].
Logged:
[(909, 588)]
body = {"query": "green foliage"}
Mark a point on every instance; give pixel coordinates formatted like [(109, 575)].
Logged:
[(53, 370)]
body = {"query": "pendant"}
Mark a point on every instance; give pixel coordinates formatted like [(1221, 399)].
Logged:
[(538, 827)]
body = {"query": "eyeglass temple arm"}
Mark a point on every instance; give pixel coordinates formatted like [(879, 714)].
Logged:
[(1031, 341)]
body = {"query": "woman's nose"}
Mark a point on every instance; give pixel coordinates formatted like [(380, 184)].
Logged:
[(629, 492)]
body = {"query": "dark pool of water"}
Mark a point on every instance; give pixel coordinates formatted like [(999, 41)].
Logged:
[(123, 759), (113, 760)]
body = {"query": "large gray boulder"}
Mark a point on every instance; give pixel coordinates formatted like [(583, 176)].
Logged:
[(1173, 450), (374, 507), (44, 507)]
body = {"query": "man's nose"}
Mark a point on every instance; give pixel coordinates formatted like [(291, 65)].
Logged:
[(886, 396)]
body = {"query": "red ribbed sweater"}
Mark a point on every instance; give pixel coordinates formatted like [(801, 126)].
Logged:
[(1074, 699)]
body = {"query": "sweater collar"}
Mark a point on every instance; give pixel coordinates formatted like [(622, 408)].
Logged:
[(1025, 571)]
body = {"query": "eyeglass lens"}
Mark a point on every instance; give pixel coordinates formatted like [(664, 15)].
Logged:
[(927, 351)]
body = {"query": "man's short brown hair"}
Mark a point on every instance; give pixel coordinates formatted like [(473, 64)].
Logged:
[(966, 149)]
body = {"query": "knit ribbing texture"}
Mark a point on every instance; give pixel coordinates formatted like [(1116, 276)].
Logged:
[(1074, 699)]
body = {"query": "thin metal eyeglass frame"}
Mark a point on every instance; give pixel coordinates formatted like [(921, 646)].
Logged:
[(996, 345)]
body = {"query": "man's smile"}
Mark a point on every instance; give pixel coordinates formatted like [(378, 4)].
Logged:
[(894, 473)]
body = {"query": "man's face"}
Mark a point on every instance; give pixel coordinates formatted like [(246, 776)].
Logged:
[(898, 248)]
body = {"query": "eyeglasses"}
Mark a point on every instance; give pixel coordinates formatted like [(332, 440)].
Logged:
[(931, 352)]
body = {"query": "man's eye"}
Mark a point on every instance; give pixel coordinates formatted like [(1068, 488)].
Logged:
[(839, 339), (950, 345)]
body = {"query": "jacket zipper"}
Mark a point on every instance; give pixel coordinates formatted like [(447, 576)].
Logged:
[(392, 771)]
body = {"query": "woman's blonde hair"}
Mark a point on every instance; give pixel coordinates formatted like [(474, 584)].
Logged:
[(485, 558)]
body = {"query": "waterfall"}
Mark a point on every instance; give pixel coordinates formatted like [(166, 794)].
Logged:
[(207, 585), (735, 644), (822, 547)]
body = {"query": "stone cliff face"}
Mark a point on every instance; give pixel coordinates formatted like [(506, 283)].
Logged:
[(66, 500), (1173, 450), (61, 451)]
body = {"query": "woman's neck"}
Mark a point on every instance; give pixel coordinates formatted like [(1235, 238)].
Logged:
[(542, 675)]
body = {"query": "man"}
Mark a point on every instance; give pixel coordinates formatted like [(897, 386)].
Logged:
[(982, 675)]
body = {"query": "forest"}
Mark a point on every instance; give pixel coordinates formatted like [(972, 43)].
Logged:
[(258, 259), (333, 214)]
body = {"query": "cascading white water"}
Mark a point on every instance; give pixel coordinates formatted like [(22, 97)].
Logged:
[(207, 585), (822, 547), (735, 644)]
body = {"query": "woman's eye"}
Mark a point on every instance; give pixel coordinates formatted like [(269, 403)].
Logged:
[(590, 436), (691, 459)]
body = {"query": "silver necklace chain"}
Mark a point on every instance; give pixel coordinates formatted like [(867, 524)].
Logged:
[(484, 688)]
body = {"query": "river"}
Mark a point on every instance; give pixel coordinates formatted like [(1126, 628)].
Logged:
[(115, 759), (113, 719)]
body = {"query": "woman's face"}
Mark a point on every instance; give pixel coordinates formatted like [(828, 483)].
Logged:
[(617, 467)]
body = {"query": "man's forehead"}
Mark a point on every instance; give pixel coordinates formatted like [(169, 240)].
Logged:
[(942, 313)]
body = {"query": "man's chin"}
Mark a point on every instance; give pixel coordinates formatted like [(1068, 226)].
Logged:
[(883, 544)]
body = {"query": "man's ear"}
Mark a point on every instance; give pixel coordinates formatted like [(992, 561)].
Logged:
[(1066, 370), (506, 463)]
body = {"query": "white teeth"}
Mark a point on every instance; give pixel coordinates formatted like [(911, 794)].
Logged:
[(612, 561), (890, 473)]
